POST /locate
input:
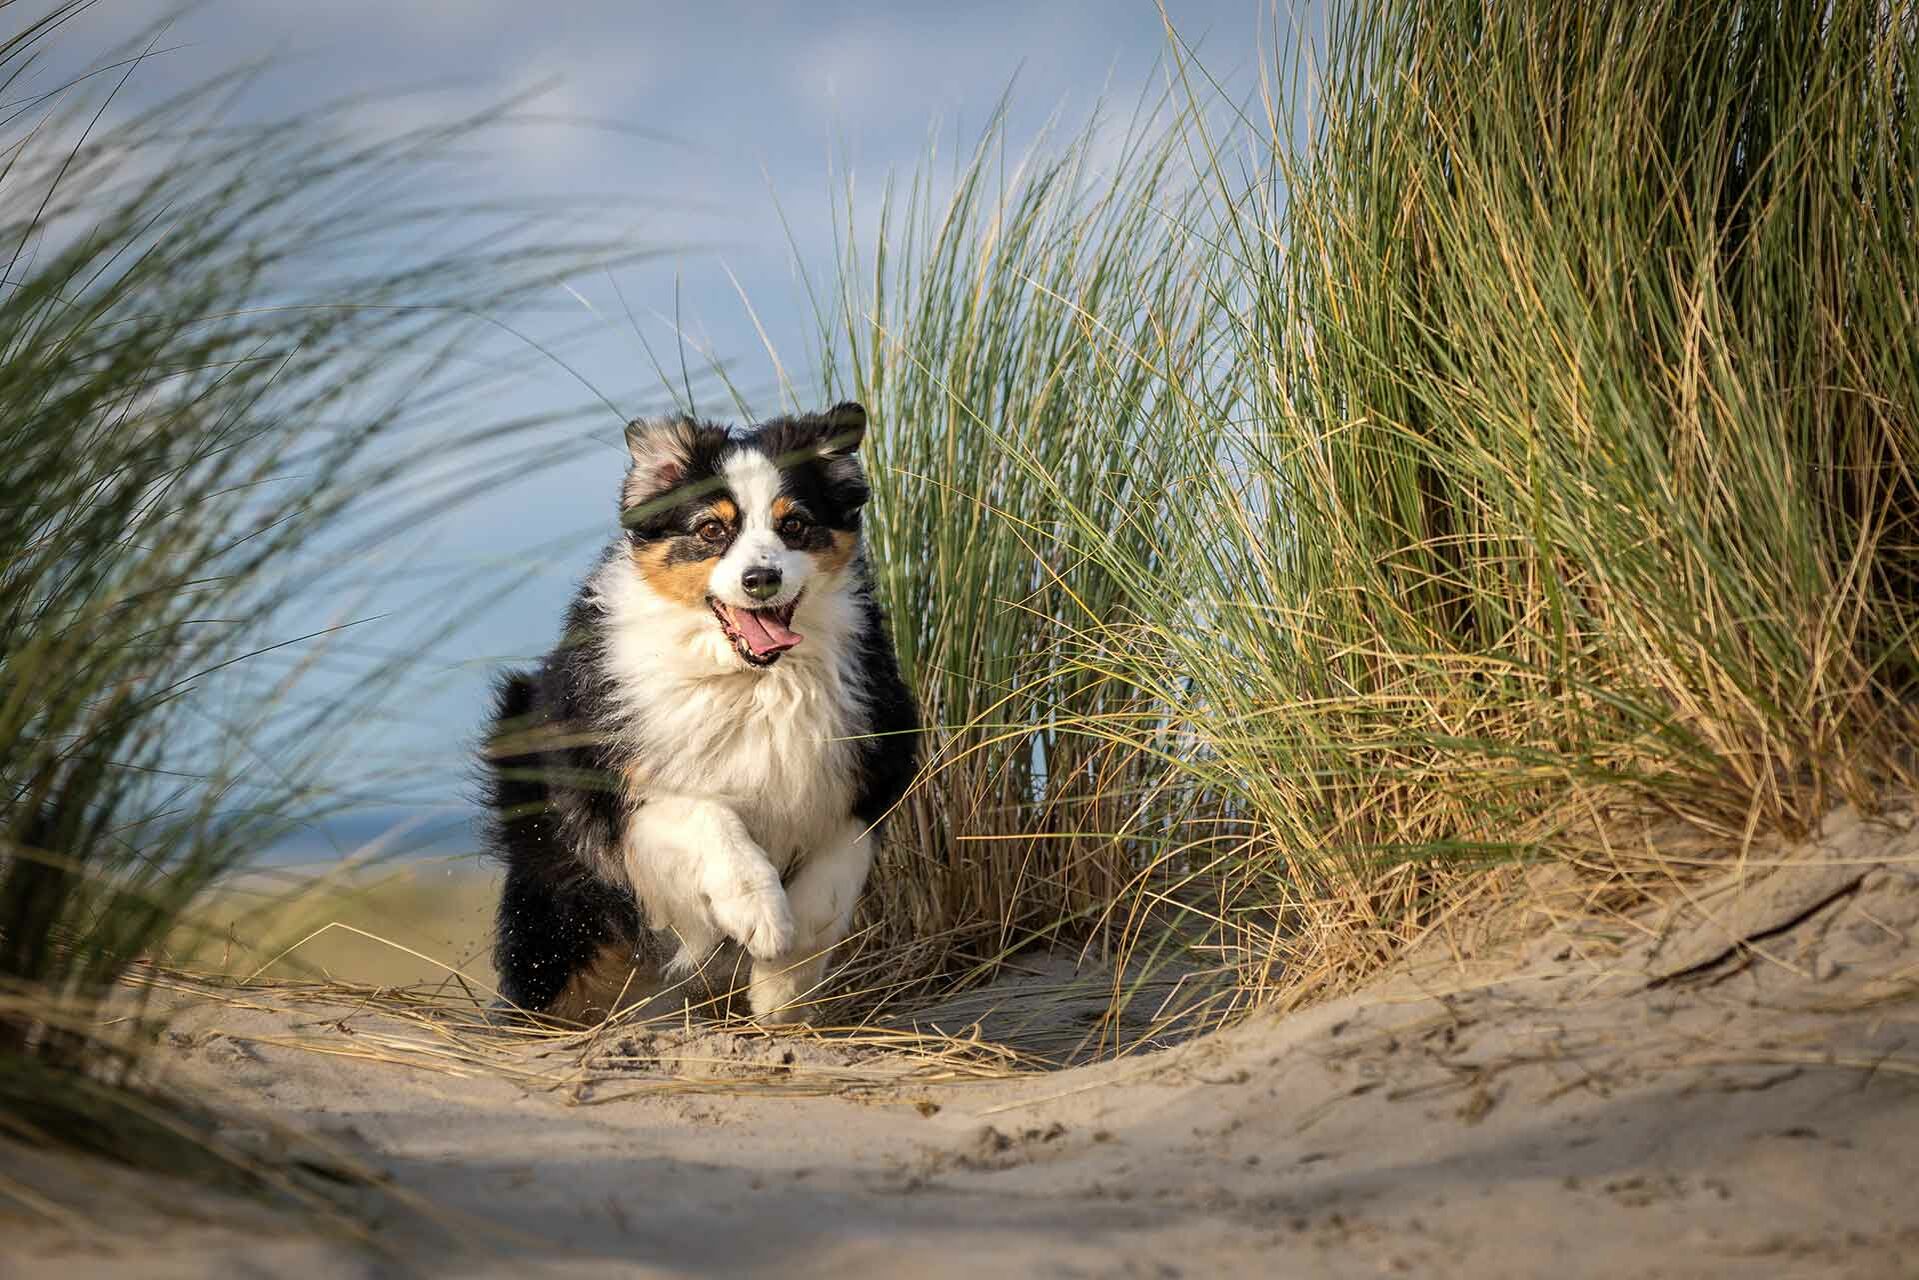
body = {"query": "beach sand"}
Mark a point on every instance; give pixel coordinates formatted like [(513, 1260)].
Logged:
[(1727, 1084)]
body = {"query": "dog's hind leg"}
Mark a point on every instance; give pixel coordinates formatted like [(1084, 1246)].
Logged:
[(702, 875), (822, 894), (560, 932), (559, 942)]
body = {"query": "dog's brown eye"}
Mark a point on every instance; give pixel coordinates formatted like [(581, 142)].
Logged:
[(711, 530), (792, 527)]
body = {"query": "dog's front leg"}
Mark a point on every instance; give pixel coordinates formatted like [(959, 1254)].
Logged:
[(699, 873), (822, 895)]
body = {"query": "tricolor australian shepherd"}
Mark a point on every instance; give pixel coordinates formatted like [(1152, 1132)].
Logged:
[(703, 762)]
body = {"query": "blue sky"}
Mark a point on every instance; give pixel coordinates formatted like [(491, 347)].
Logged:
[(679, 124)]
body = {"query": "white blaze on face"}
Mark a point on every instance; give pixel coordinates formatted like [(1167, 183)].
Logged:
[(755, 483)]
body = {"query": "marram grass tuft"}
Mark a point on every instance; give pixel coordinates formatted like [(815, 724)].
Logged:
[(202, 346), (1501, 436)]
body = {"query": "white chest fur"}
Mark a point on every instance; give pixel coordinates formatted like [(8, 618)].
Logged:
[(775, 744)]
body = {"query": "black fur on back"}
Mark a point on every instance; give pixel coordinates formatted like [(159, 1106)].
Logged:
[(889, 753)]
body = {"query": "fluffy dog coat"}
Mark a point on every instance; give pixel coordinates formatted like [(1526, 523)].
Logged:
[(705, 758)]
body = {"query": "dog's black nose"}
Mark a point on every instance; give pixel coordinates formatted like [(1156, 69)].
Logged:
[(762, 582)]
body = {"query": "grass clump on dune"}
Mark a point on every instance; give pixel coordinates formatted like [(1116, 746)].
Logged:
[(202, 344), (1516, 440), (988, 323)]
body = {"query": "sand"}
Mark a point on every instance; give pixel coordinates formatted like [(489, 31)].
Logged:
[(1726, 1085)]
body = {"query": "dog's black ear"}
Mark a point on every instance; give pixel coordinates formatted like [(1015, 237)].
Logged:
[(837, 434), (662, 450), (844, 427)]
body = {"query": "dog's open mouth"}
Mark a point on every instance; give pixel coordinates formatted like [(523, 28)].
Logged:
[(759, 635)]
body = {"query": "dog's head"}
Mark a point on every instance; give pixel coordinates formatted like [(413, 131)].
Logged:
[(745, 527)]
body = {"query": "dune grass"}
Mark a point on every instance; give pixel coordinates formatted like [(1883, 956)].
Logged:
[(987, 325), (203, 341), (1493, 441)]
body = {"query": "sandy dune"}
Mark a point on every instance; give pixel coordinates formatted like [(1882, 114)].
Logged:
[(1727, 1086)]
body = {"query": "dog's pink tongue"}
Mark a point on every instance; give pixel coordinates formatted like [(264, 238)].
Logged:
[(764, 634)]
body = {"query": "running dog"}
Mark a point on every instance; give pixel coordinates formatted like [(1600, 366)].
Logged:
[(704, 761)]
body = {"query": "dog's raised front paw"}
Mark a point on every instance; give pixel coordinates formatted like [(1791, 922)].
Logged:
[(759, 919)]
